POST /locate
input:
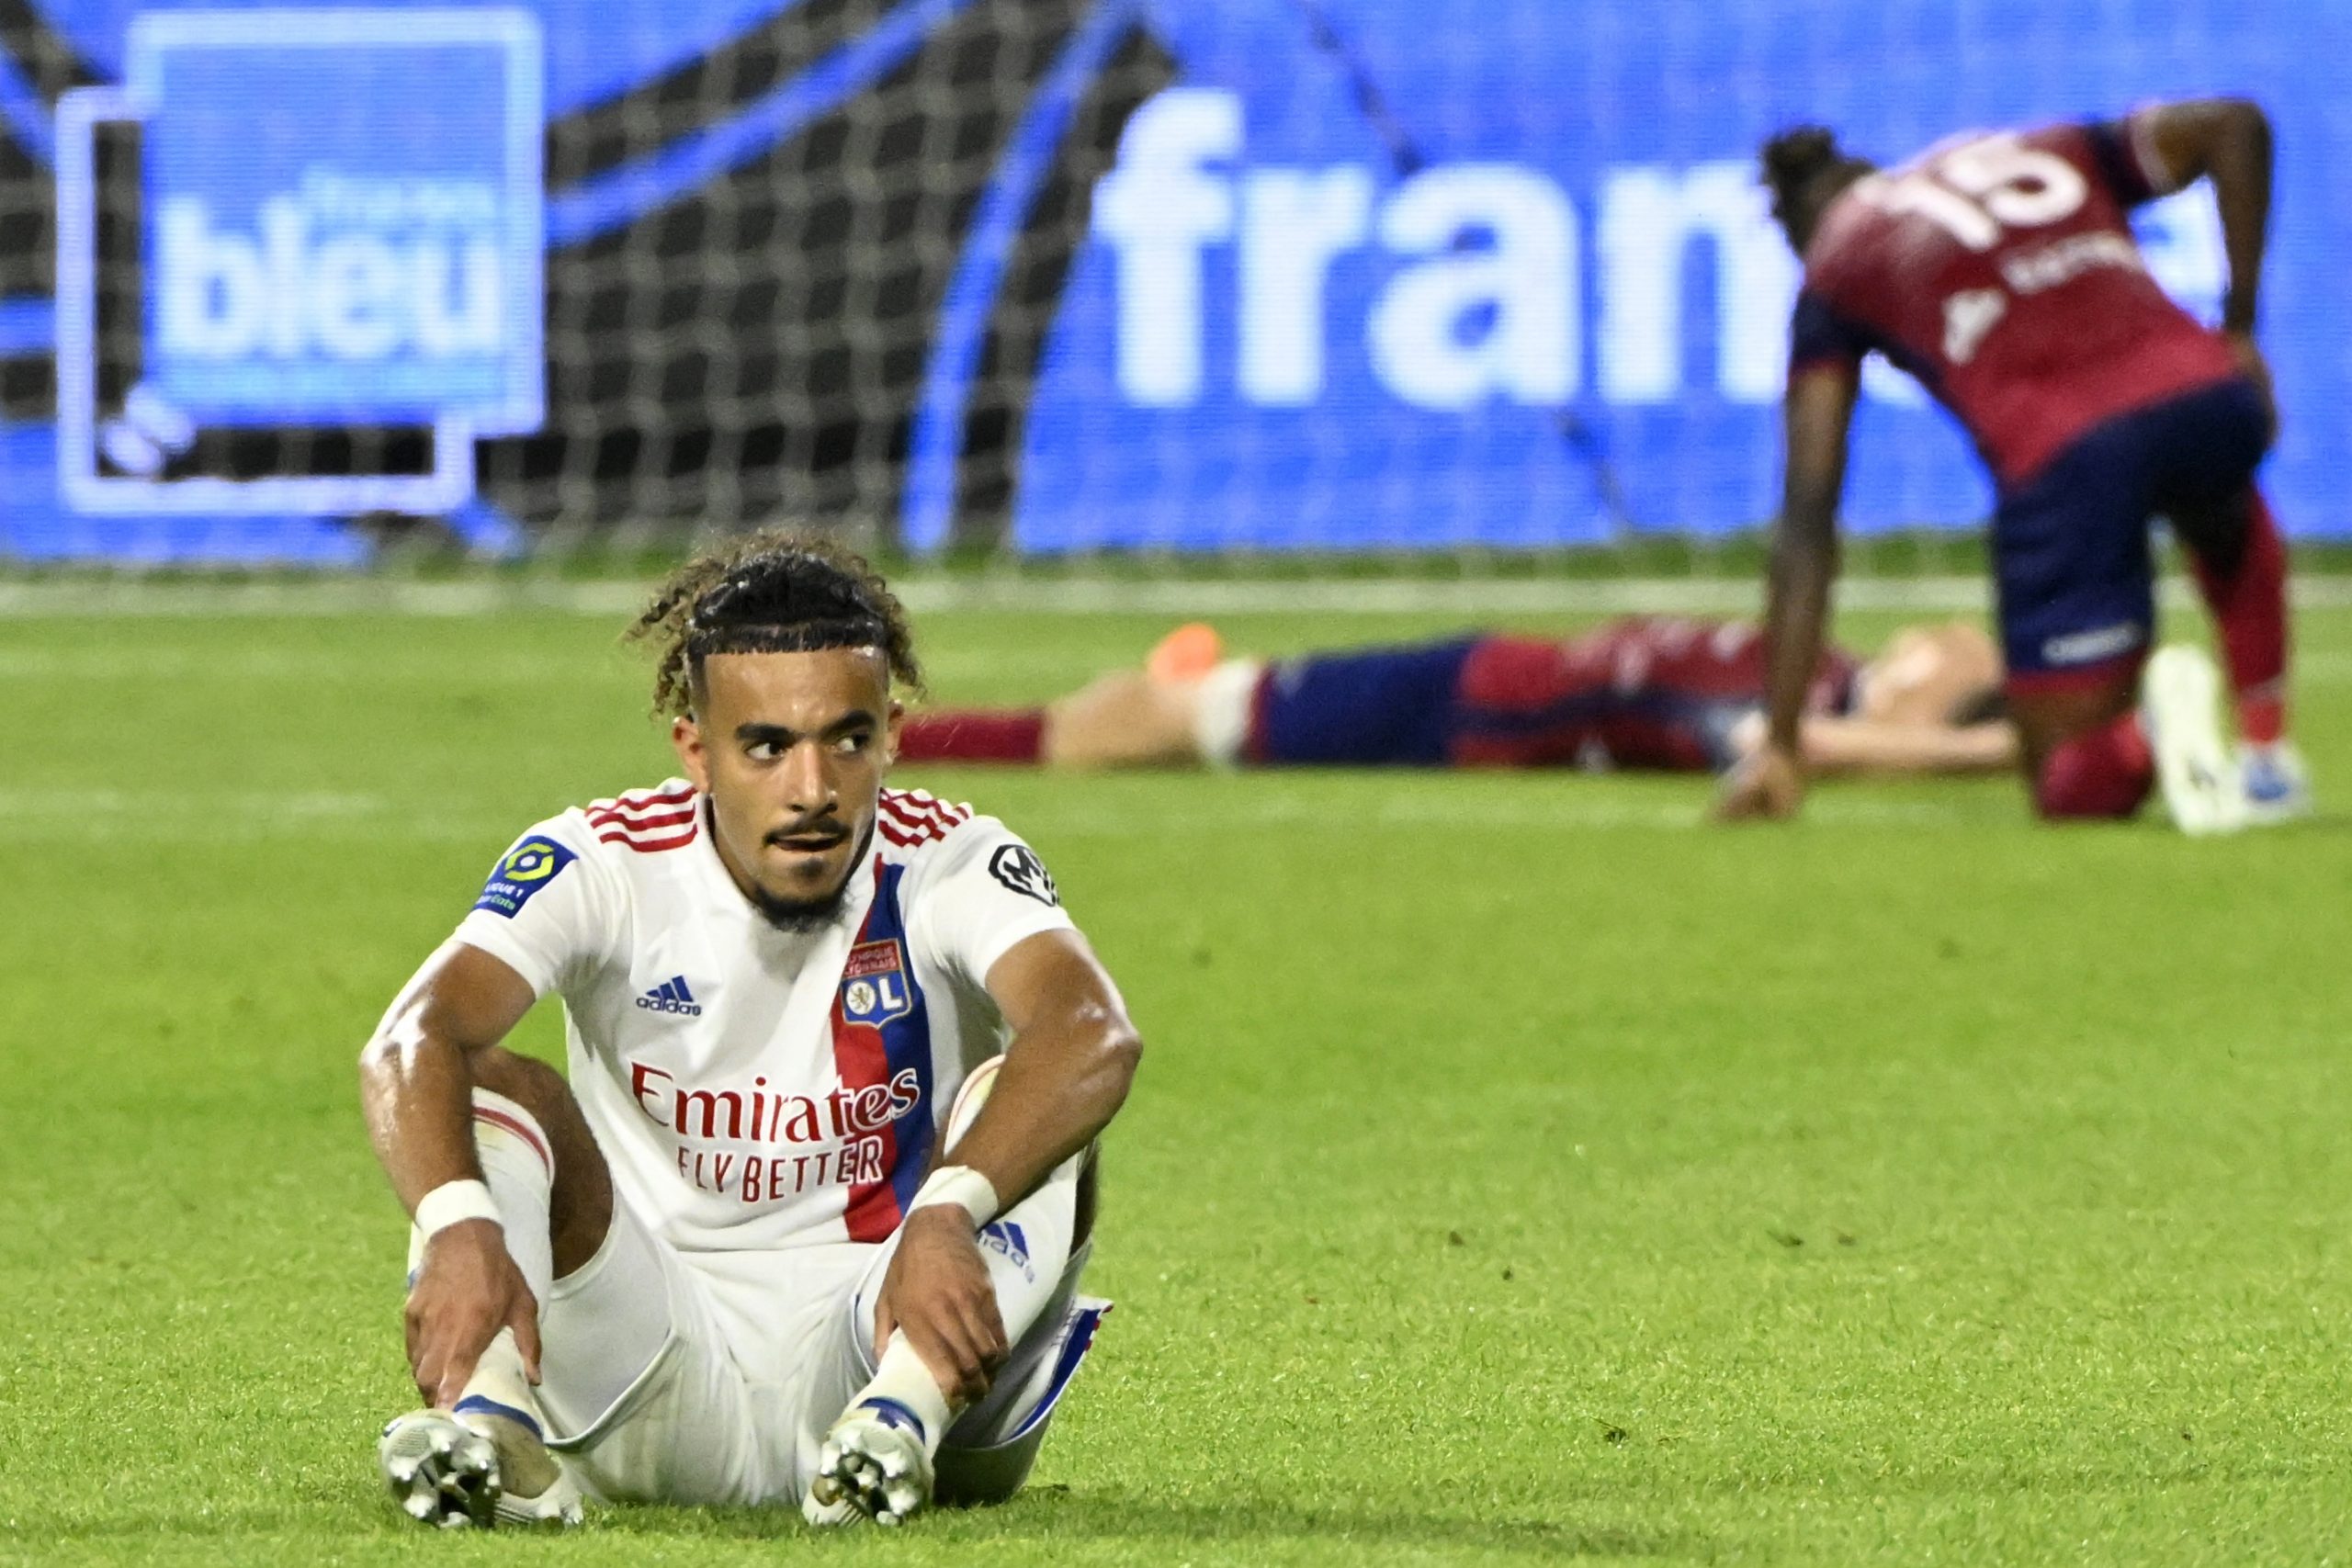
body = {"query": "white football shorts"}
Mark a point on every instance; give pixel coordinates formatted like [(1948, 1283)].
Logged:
[(711, 1378)]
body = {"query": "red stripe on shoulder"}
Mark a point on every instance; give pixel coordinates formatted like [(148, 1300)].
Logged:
[(922, 818), (641, 802), (649, 843), (668, 818), (910, 831), (648, 820)]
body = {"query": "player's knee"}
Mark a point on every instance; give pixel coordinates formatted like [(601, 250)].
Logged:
[(2091, 778), (529, 1083), (979, 1478), (2072, 801)]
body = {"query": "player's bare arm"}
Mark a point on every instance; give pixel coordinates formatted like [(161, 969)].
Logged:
[(2226, 140), (1068, 1070), (1837, 746), (1066, 1073), (417, 1093), (1819, 412), (418, 1073)]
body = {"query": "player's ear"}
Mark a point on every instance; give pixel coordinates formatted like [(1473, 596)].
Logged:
[(890, 727), (685, 738)]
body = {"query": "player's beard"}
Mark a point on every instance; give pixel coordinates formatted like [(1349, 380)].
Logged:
[(799, 917)]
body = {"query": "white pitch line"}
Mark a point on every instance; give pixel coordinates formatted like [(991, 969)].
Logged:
[(1050, 596), (435, 665), (1554, 812), (1548, 806), (354, 662), (175, 805), (330, 596)]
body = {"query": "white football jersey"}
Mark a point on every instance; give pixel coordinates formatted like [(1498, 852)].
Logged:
[(753, 1088)]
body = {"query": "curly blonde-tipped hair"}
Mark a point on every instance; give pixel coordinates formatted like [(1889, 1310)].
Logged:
[(769, 592)]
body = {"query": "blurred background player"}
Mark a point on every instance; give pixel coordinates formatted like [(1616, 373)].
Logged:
[(2000, 270), (1646, 692)]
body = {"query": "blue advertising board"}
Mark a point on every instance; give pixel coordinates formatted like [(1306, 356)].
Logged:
[(1200, 275), (1381, 272), (368, 251)]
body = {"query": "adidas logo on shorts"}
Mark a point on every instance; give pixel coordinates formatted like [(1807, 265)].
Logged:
[(671, 995)]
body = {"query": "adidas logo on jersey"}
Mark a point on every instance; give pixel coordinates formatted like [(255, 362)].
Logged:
[(671, 995)]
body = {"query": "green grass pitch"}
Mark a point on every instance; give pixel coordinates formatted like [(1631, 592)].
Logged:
[(1519, 1171)]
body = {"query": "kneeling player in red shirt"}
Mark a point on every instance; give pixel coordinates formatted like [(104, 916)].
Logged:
[(2001, 271), (1647, 692)]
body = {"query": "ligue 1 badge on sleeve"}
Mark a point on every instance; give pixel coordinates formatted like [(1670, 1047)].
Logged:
[(310, 250), (527, 867)]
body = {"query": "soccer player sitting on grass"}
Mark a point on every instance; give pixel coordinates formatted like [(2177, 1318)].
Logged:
[(789, 1233), (1646, 692), (2001, 271)]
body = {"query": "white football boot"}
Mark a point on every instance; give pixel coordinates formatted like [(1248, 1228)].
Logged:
[(2180, 704), (874, 1463), (2277, 786), (474, 1470)]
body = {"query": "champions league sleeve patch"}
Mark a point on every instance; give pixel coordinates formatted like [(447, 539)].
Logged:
[(1018, 867), (528, 866)]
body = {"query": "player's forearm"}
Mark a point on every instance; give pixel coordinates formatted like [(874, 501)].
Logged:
[(1060, 1084), (2241, 175), (416, 1078), (2226, 140), (417, 1094), (1818, 412), (1804, 563), (1835, 746)]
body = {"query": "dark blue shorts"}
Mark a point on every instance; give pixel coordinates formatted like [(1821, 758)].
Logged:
[(1383, 707), (2070, 546)]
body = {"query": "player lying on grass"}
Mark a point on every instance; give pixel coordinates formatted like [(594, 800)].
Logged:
[(2001, 271), (1642, 693), (748, 1254)]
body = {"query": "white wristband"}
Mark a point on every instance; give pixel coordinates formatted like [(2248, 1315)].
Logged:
[(453, 1202), (959, 1184)]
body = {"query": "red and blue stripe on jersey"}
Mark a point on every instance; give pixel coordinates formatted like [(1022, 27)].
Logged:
[(873, 1055)]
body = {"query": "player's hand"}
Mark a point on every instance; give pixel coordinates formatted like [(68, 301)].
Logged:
[(1767, 784), (2257, 369), (937, 1293), (467, 1289)]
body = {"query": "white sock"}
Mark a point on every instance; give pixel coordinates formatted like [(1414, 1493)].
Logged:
[(900, 1378), (519, 1169), (1026, 1249)]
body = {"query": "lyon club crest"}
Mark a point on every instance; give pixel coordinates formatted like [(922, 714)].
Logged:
[(874, 984)]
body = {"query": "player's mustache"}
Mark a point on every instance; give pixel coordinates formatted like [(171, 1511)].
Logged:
[(830, 831)]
